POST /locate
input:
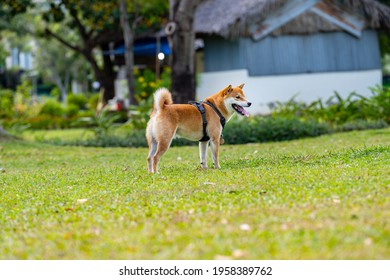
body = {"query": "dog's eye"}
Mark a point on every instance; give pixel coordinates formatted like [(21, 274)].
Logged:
[(238, 97)]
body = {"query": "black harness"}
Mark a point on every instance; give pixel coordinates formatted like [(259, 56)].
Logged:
[(200, 107)]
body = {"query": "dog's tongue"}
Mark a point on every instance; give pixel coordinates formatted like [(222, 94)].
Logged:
[(242, 110)]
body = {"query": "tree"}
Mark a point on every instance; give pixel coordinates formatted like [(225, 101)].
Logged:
[(11, 8), (182, 38), (8, 10), (98, 25), (384, 38), (60, 65), (78, 15)]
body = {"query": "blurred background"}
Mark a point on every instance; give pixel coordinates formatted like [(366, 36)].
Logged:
[(84, 72)]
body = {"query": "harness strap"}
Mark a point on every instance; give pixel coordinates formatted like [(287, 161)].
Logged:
[(221, 117), (202, 111)]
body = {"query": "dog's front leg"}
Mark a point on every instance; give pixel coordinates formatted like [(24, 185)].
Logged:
[(203, 153), (214, 152)]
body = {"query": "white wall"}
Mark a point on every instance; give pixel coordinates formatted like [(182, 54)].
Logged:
[(263, 90)]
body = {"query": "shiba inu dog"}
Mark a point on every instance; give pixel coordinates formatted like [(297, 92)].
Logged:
[(203, 122)]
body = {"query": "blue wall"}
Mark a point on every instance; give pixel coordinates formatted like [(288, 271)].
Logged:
[(293, 54)]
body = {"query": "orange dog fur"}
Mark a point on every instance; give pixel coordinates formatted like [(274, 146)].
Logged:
[(184, 120)]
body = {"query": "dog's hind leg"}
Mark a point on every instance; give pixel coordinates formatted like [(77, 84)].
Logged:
[(152, 143), (162, 146), (152, 152), (203, 153)]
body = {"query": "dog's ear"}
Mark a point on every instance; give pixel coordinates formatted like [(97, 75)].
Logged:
[(241, 86), (227, 90)]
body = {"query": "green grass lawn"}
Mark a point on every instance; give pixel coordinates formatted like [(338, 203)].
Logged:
[(62, 134), (319, 198)]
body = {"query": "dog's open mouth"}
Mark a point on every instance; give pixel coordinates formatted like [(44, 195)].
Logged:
[(239, 109)]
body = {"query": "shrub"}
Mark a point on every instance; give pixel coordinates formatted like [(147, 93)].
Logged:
[(337, 110), (146, 83), (141, 113), (134, 138), (71, 110), (78, 100), (381, 101), (47, 122), (93, 101), (266, 129), (52, 108), (6, 103)]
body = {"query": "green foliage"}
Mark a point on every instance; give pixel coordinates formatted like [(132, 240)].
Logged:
[(55, 93), (386, 68), (6, 103), (141, 113), (381, 103), (132, 139), (19, 109), (268, 129), (100, 17), (101, 124), (93, 101), (384, 38), (146, 82), (146, 85), (18, 128), (11, 8), (337, 111), (78, 100), (71, 110), (45, 122), (22, 100), (24, 89), (52, 108), (3, 55)]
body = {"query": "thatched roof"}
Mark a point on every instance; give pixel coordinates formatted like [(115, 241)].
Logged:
[(233, 18)]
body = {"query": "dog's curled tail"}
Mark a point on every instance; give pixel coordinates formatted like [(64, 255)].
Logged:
[(162, 97)]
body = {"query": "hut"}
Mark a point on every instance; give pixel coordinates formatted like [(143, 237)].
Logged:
[(280, 48)]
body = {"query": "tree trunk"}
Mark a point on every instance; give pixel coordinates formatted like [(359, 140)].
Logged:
[(109, 75), (129, 55), (107, 82), (62, 86), (106, 76), (183, 49), (63, 89)]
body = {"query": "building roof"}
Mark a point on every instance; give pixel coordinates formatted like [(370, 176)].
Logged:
[(259, 18)]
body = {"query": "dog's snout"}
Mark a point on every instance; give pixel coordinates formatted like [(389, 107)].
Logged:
[(249, 104)]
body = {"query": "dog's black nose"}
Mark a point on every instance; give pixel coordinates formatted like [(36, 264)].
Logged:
[(249, 104)]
